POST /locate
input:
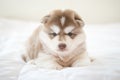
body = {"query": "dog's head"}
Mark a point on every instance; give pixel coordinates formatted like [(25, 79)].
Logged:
[(62, 31)]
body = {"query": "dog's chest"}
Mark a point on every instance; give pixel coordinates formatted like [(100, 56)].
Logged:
[(66, 61)]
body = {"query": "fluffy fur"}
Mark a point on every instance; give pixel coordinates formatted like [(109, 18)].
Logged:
[(58, 27)]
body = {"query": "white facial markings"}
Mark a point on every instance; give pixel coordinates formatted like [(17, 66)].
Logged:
[(68, 29), (62, 20), (55, 29)]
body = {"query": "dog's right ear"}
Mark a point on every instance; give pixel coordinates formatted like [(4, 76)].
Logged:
[(45, 19), (78, 19)]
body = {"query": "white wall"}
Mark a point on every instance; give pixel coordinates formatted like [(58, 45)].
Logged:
[(92, 11)]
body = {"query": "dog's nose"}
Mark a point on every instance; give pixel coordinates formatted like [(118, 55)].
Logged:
[(62, 46)]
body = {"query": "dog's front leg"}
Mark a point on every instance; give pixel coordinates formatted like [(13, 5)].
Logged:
[(46, 61)]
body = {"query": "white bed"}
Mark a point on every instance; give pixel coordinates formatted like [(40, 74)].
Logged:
[(103, 43)]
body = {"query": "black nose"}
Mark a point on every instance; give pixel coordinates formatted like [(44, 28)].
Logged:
[(62, 46)]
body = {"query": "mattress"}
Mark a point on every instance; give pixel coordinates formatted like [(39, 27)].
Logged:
[(103, 44)]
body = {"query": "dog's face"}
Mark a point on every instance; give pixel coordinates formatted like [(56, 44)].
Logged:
[(62, 32)]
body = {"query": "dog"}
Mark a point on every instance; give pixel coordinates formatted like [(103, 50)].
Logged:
[(58, 42)]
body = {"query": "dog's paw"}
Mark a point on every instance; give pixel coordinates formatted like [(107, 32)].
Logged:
[(55, 66), (46, 65), (80, 63), (50, 66), (31, 62)]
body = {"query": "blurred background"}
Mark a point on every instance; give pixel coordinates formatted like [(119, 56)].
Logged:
[(92, 11)]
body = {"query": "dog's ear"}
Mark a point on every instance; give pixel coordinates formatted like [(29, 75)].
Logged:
[(78, 19), (45, 19)]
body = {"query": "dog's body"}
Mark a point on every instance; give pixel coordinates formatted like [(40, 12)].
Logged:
[(59, 42)]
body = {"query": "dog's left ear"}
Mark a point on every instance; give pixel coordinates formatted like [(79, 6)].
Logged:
[(78, 19), (45, 19)]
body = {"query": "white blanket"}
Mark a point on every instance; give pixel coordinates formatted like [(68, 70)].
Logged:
[(103, 43)]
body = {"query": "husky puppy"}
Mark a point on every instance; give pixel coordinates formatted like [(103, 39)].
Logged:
[(58, 42)]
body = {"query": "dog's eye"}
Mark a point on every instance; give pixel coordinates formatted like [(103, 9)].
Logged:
[(70, 34), (53, 34)]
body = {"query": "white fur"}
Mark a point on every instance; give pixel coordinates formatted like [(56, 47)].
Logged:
[(51, 45), (55, 29), (68, 29), (62, 20)]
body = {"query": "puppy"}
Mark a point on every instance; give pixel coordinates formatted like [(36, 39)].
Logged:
[(58, 42)]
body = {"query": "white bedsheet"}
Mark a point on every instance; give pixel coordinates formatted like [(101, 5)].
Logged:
[(103, 43)]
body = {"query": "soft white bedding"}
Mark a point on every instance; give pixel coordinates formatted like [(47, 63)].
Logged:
[(103, 42)]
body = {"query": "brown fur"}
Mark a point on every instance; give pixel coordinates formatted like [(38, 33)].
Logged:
[(72, 18)]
